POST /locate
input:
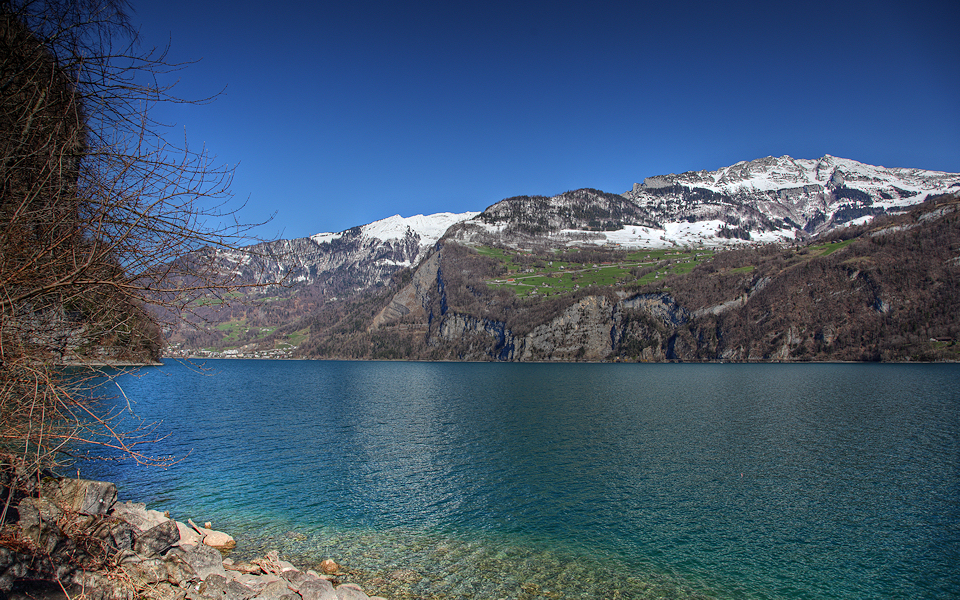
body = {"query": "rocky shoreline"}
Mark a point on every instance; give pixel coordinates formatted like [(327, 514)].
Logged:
[(75, 538)]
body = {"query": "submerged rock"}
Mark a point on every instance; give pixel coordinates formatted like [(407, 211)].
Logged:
[(329, 566)]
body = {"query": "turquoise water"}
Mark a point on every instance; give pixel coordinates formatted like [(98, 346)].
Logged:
[(451, 480)]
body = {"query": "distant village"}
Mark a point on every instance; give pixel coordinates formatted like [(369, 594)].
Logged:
[(246, 351)]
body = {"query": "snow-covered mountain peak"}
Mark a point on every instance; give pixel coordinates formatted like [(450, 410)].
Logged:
[(428, 228), (771, 174)]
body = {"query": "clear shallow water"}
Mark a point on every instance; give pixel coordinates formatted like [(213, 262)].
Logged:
[(565, 481)]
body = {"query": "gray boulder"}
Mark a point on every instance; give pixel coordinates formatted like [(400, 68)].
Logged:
[(80, 495), (178, 570), (144, 570), (204, 560), (38, 522), (158, 539), (254, 582), (317, 589), (217, 587), (115, 534), (137, 514), (278, 590), (97, 585), (295, 577), (12, 568), (351, 591)]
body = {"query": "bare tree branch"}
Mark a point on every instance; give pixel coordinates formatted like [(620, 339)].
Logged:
[(108, 230)]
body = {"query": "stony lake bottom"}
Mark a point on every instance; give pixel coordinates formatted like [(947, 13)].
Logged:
[(478, 480)]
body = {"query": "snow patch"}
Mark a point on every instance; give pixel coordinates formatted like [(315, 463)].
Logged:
[(324, 238), (682, 233)]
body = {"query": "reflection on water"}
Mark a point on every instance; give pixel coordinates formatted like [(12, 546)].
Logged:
[(474, 480)]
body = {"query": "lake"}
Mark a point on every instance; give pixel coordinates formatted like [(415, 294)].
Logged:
[(478, 480)]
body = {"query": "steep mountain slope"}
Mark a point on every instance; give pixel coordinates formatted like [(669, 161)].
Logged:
[(889, 290)]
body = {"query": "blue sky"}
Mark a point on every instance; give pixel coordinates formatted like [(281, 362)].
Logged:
[(339, 114)]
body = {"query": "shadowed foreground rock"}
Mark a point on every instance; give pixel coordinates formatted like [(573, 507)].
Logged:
[(76, 535)]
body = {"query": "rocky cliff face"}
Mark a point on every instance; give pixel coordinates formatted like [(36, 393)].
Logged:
[(586, 331), (412, 301), (594, 328)]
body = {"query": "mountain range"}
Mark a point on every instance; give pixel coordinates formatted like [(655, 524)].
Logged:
[(781, 201)]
